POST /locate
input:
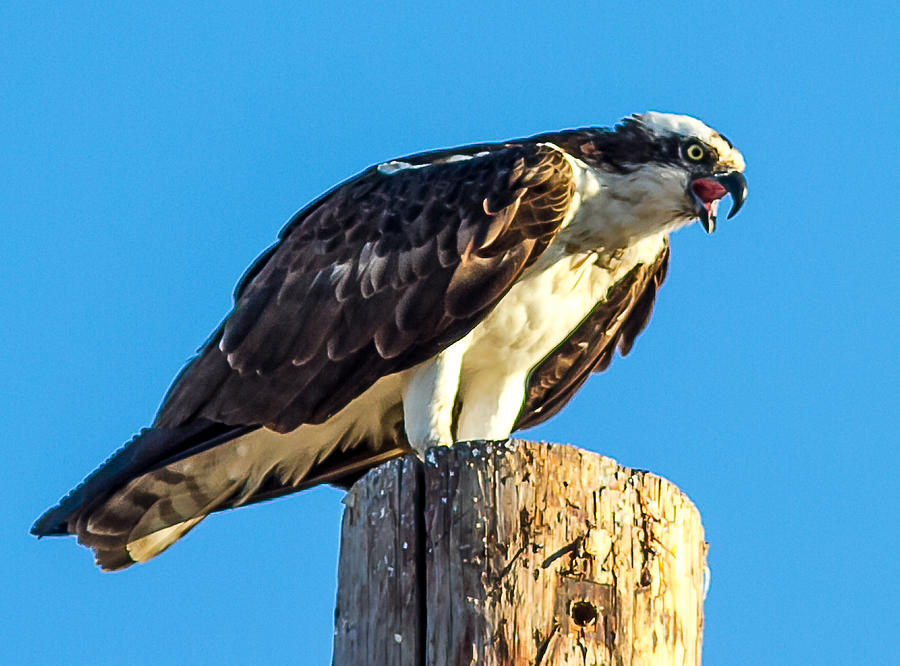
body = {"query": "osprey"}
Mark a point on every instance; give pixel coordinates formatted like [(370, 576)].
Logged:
[(452, 295)]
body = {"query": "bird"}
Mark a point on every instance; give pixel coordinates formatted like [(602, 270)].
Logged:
[(452, 295)]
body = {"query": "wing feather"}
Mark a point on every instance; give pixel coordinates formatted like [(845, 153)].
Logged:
[(615, 322), (381, 274)]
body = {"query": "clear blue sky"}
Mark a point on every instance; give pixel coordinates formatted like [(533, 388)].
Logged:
[(149, 154)]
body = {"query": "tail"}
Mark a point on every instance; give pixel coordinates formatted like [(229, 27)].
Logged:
[(165, 481), (151, 492), (155, 510)]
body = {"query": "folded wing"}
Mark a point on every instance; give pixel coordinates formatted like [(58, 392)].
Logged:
[(373, 278)]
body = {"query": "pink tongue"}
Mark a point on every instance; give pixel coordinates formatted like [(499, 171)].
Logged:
[(708, 190)]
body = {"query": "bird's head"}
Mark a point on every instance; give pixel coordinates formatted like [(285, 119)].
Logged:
[(669, 168), (714, 167)]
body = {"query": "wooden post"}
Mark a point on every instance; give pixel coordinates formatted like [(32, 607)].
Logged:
[(518, 553)]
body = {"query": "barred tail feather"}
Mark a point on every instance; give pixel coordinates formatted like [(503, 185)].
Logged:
[(152, 511), (156, 509), (163, 483)]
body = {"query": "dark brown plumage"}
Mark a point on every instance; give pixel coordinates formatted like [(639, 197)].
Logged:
[(425, 254)]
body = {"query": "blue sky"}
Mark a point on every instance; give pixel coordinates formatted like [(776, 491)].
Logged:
[(149, 154)]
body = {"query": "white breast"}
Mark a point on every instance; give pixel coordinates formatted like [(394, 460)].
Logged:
[(560, 290), (535, 317), (546, 305)]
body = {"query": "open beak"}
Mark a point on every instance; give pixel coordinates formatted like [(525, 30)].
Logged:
[(709, 190)]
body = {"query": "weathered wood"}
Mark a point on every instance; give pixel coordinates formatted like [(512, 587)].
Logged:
[(518, 553)]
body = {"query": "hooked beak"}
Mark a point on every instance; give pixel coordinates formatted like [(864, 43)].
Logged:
[(708, 191)]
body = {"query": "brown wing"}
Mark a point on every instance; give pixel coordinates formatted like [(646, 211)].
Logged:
[(377, 276), (615, 322)]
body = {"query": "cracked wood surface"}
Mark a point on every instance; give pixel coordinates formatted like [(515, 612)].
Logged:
[(518, 553)]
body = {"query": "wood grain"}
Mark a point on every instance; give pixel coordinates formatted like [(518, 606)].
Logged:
[(518, 553)]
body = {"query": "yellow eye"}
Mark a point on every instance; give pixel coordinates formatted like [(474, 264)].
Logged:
[(695, 152)]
